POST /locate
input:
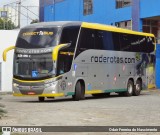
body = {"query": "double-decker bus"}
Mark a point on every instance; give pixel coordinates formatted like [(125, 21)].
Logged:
[(56, 59)]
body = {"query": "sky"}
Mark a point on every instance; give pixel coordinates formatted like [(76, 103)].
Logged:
[(25, 2), (32, 13)]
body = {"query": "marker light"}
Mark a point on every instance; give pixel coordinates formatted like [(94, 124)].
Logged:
[(31, 93)]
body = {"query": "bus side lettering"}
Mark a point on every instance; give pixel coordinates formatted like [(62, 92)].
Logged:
[(103, 59)]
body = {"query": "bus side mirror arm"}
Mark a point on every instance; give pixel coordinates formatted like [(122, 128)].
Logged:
[(6, 51), (56, 50)]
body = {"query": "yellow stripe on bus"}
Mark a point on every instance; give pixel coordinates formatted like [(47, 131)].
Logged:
[(67, 53), (93, 92), (114, 29), (25, 81)]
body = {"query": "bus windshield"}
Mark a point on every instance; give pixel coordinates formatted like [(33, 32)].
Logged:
[(33, 66), (38, 37)]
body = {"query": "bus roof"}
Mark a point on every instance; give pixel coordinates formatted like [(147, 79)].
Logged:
[(54, 24), (86, 25), (113, 29)]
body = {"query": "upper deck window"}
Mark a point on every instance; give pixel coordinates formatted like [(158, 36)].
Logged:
[(87, 7), (123, 3), (37, 37)]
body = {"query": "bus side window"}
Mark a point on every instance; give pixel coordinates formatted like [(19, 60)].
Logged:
[(125, 42), (139, 43), (116, 40), (136, 43), (150, 44), (99, 39), (105, 40), (86, 40), (69, 35)]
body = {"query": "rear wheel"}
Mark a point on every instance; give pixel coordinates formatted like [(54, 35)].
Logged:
[(130, 88), (79, 91), (137, 88), (41, 99)]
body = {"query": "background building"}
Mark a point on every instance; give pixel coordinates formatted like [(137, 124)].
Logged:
[(139, 15), (6, 68)]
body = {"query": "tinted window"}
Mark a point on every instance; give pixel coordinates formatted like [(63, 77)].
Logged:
[(136, 43), (116, 41), (33, 66), (86, 40), (98, 39), (107, 40), (69, 35), (150, 44), (37, 38), (125, 42)]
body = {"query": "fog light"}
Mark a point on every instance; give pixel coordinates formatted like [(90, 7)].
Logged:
[(15, 84)]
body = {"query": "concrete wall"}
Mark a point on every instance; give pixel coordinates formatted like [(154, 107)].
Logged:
[(7, 38)]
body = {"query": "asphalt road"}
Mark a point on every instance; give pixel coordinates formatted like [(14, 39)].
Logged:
[(143, 110)]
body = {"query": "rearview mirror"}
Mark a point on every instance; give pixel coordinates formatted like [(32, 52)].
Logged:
[(6, 51), (56, 50)]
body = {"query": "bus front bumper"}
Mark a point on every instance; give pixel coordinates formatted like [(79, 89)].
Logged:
[(41, 95), (40, 90)]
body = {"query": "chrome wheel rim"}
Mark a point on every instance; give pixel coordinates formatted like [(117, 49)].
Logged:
[(130, 88), (138, 87)]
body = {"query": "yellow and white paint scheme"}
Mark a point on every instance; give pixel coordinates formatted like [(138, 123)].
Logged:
[(52, 87)]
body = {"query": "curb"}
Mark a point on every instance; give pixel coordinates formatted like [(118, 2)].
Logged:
[(5, 93), (152, 91)]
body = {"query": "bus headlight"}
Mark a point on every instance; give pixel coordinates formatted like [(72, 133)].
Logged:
[(53, 84), (15, 85)]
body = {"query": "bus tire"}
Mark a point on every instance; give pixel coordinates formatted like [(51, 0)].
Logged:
[(130, 88), (137, 88), (79, 92), (41, 99)]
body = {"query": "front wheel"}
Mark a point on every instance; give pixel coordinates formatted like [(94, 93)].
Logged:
[(130, 88), (137, 88), (79, 92), (41, 99)]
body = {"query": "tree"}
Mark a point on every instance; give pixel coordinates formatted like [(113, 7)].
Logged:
[(35, 21), (6, 24)]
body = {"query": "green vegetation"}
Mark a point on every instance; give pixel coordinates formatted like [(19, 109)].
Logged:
[(6, 24), (35, 21)]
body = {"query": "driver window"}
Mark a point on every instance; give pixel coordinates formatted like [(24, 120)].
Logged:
[(69, 35)]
